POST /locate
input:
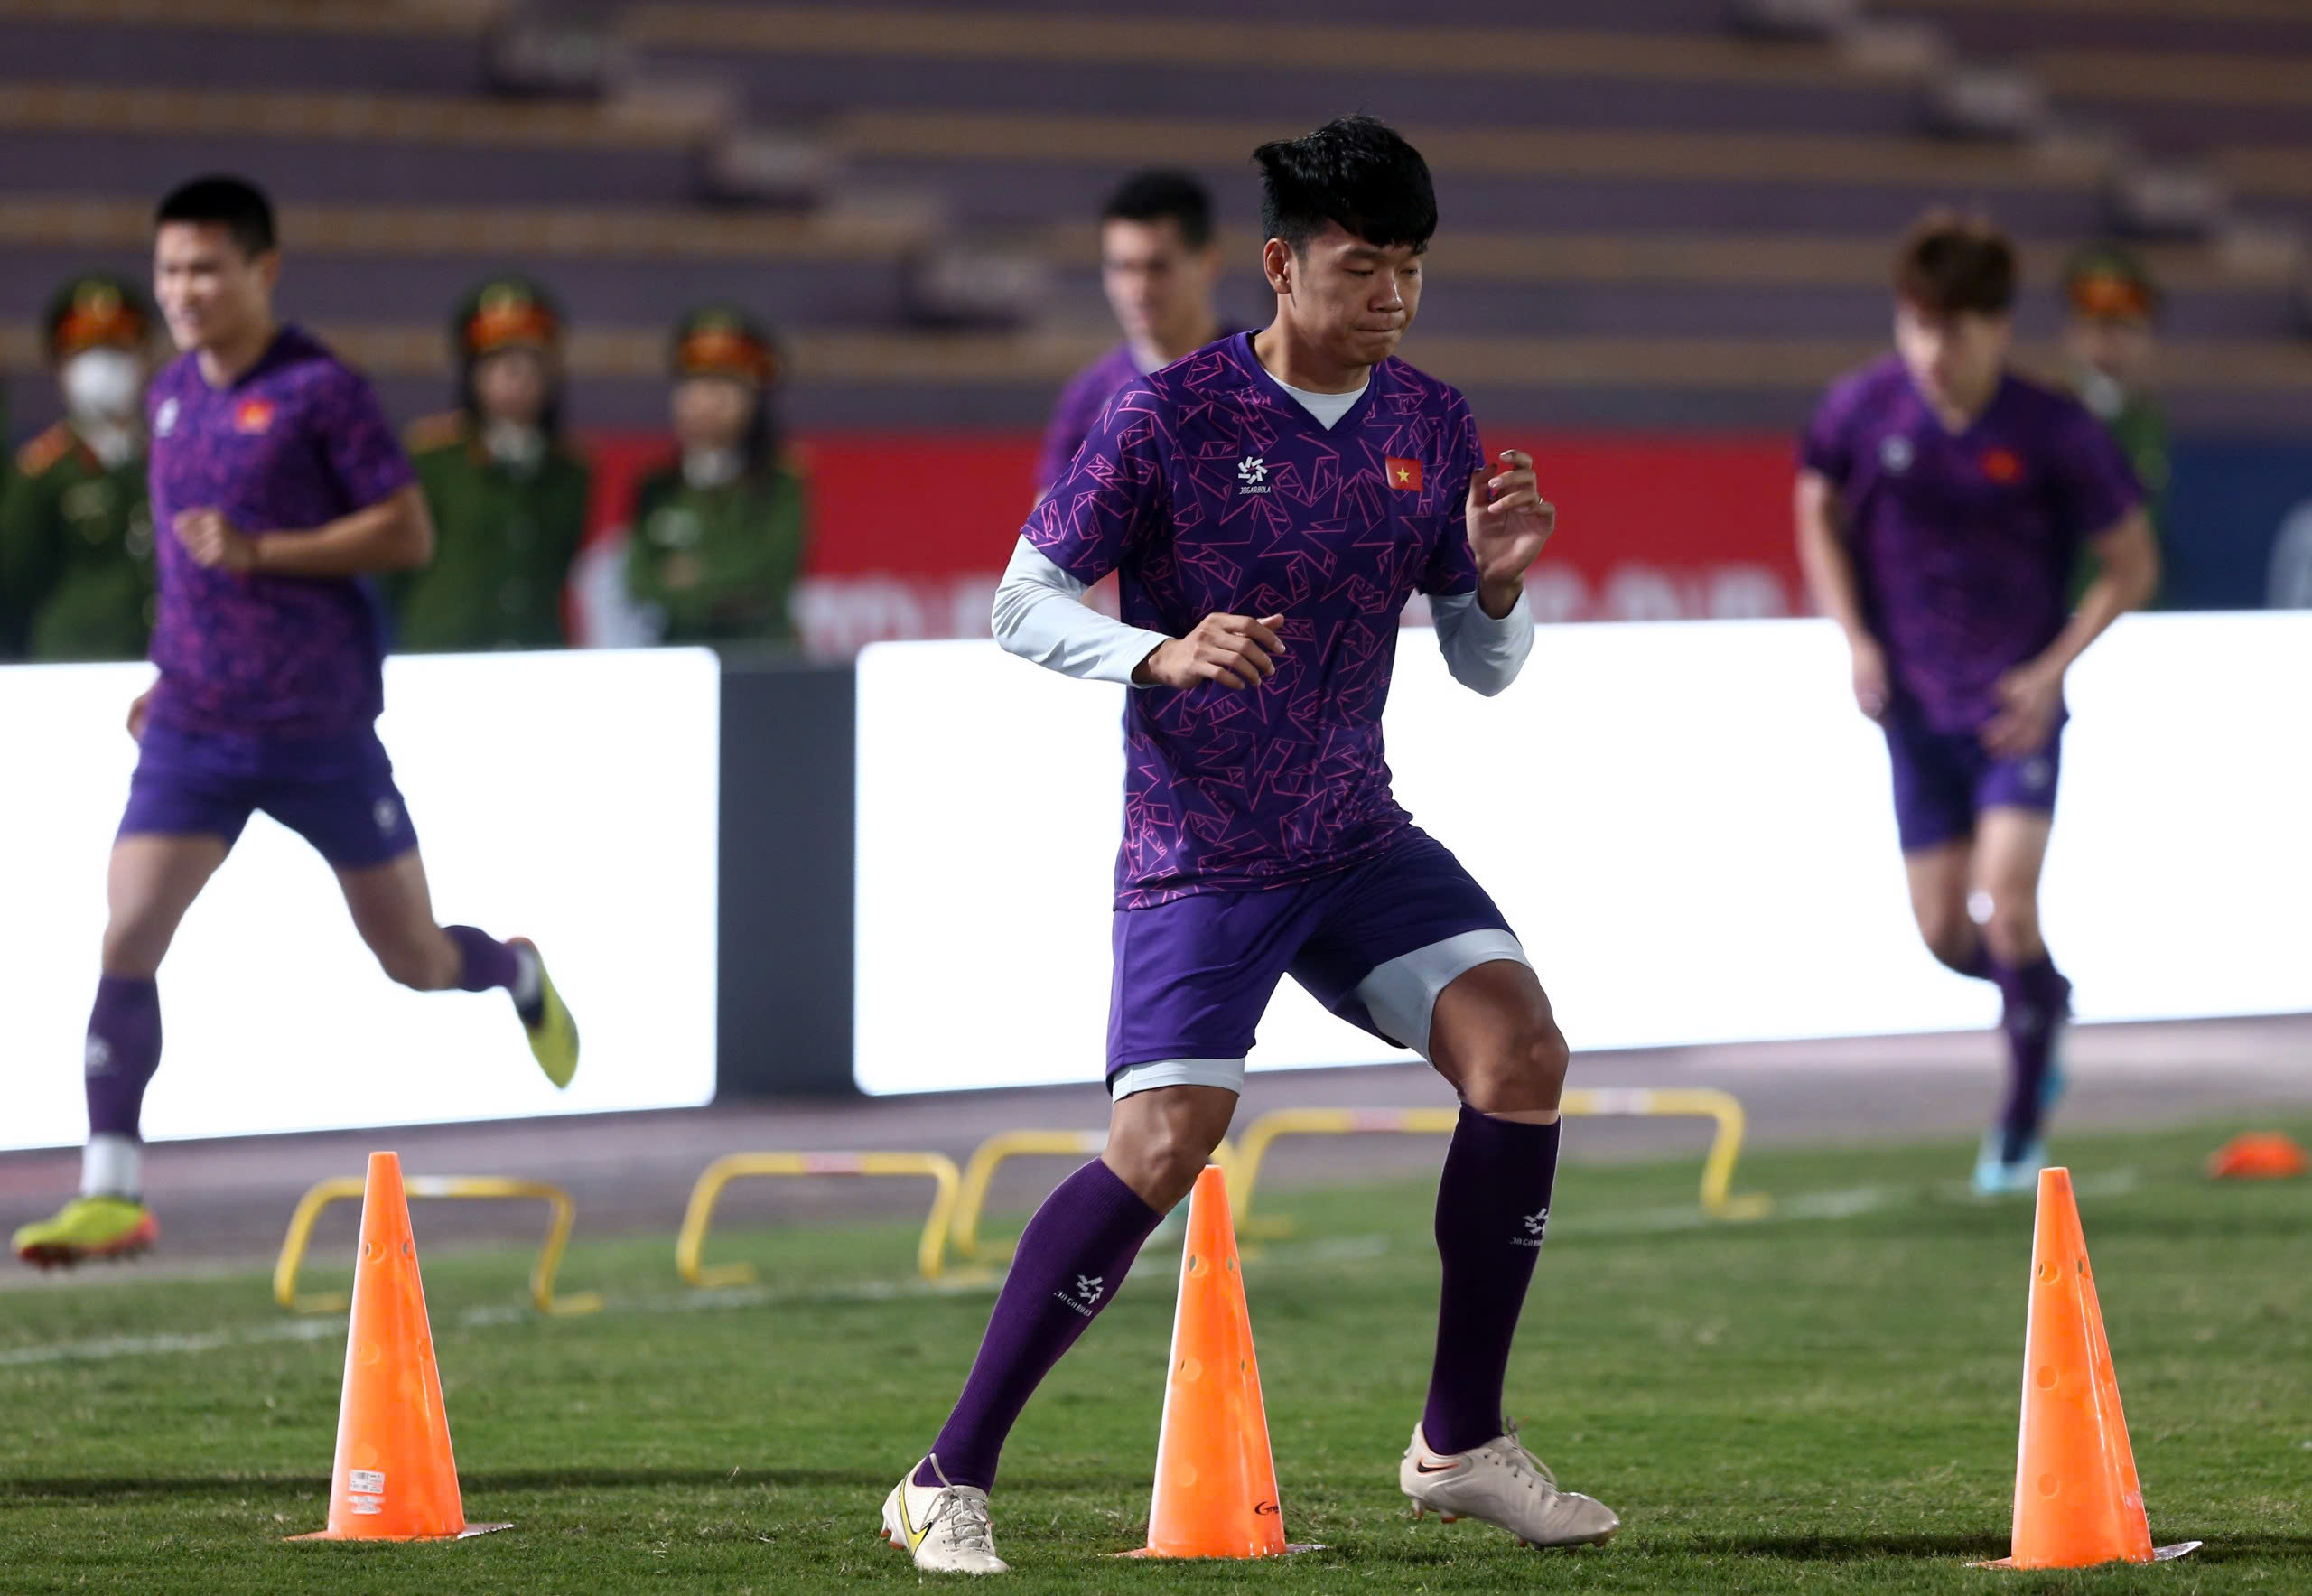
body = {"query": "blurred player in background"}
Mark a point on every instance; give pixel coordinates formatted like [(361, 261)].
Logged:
[(1942, 504), (2110, 346), (1271, 503), (507, 491), (1160, 269), (718, 537), (278, 489), (76, 534)]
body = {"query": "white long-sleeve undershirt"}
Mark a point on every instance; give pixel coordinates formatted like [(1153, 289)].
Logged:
[(1040, 615)]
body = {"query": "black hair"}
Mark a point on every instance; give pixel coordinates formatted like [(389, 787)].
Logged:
[(549, 412), (1356, 171), (1162, 195), (233, 203), (1949, 265)]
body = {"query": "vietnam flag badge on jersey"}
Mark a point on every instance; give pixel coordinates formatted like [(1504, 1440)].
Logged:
[(2002, 465), (253, 415), (1403, 474)]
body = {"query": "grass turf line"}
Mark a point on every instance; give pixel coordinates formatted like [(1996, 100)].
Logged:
[(1821, 1401)]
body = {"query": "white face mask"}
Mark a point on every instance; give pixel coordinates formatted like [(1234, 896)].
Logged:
[(711, 467), (103, 385)]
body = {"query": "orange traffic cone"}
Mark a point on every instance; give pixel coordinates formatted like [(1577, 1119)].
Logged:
[(1215, 1482), (394, 1479), (2259, 1155), (2077, 1499)]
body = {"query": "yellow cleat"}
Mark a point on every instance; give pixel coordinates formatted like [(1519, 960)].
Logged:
[(88, 1227), (553, 1037)]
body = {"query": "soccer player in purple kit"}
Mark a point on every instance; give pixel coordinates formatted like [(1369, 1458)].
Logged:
[(1158, 268), (1271, 502), (1941, 502), (279, 487)]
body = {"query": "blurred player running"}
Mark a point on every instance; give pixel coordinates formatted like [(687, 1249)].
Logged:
[(1271, 501), (1159, 268), (1942, 504), (277, 488)]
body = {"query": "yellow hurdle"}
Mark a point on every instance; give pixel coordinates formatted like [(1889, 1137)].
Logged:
[(1717, 1199), (349, 1187), (929, 1252), (979, 1170)]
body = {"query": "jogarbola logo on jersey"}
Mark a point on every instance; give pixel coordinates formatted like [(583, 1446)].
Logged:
[(1251, 475), (1894, 452), (164, 419), (1404, 475)]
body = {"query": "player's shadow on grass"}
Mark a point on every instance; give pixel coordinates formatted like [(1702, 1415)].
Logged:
[(102, 1487), (1808, 1548), (1835, 1548)]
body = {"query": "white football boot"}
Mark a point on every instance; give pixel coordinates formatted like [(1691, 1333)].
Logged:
[(1503, 1483), (944, 1527)]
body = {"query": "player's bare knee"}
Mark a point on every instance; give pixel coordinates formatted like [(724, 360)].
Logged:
[(132, 950), (1160, 1159), (1528, 1075)]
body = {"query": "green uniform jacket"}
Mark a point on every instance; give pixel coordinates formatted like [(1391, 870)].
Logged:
[(504, 540), (76, 553), (2140, 429), (718, 562)]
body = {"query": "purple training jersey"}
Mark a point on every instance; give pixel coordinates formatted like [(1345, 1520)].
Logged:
[(296, 442), (1210, 489), (1086, 393), (1964, 543)]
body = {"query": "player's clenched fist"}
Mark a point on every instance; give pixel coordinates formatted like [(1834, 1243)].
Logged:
[(1234, 651), (211, 540)]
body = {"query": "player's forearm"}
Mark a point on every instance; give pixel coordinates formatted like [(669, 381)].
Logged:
[(2129, 559), (1040, 616), (394, 535), (1823, 560), (1482, 652)]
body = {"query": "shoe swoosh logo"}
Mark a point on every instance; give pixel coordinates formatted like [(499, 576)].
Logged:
[(1420, 1467), (914, 1536)]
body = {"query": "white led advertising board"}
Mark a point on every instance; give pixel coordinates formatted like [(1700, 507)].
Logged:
[(1687, 825), (571, 798)]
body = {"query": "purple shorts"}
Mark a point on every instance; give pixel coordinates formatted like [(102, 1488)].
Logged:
[(1373, 942), (1944, 779), (338, 793)]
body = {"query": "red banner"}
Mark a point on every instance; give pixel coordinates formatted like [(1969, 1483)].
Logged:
[(909, 532)]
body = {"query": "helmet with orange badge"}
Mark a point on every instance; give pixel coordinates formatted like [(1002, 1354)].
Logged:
[(725, 364), (98, 332)]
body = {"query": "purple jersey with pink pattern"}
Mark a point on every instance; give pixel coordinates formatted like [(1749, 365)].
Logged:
[(1964, 543), (1088, 393), (1211, 489), (296, 442)]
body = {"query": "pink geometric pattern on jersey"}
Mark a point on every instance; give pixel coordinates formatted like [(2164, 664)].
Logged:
[(1210, 489), (296, 442), (1964, 543)]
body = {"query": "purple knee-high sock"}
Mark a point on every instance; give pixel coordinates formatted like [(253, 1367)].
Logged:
[(483, 961), (1071, 1261), (124, 1049), (2037, 998), (1493, 1207)]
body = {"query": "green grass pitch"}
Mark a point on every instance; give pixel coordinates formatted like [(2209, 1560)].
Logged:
[(1822, 1401)]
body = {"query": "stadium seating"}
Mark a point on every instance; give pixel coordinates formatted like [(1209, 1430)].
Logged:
[(1655, 218)]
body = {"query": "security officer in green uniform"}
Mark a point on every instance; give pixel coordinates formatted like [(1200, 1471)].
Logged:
[(76, 531), (716, 540), (507, 491), (2110, 344)]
